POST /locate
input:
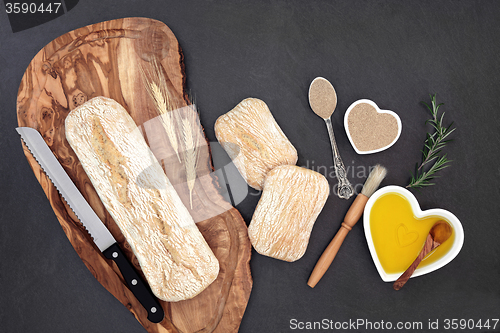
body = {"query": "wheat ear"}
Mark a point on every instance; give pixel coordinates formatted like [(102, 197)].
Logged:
[(190, 154), (163, 103)]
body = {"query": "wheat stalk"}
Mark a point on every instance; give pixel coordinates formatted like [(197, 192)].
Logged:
[(157, 88), (164, 105), (190, 153)]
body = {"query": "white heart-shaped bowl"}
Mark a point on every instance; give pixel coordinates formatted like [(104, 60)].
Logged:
[(346, 126), (418, 213)]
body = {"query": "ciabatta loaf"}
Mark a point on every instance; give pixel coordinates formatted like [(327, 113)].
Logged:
[(291, 201), (254, 141), (174, 257)]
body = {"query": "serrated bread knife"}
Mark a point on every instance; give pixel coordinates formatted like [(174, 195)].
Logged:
[(101, 235)]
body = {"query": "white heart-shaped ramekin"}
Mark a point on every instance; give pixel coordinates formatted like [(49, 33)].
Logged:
[(346, 126), (452, 219)]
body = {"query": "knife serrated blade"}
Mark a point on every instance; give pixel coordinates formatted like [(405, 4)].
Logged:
[(100, 234), (44, 156)]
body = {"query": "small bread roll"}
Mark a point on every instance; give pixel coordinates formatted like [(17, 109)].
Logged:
[(254, 141), (291, 201)]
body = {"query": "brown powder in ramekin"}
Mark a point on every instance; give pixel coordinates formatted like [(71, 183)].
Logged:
[(369, 129)]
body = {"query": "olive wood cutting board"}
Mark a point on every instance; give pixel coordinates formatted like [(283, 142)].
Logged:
[(109, 59)]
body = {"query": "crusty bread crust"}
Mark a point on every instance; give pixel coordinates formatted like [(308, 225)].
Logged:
[(291, 201), (174, 257), (254, 141)]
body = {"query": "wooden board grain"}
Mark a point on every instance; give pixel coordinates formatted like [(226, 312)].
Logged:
[(107, 59)]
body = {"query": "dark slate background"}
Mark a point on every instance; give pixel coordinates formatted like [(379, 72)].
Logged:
[(393, 52)]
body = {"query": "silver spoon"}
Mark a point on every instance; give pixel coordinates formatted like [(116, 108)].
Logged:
[(323, 101)]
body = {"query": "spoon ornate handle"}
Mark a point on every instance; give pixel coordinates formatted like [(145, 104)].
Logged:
[(345, 190), (430, 244)]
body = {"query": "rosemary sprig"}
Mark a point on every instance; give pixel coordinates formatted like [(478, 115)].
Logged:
[(433, 145)]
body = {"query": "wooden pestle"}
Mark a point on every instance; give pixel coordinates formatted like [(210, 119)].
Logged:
[(350, 219)]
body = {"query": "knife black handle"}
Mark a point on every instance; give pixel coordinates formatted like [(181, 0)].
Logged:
[(136, 284)]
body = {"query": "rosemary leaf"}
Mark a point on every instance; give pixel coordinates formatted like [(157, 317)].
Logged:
[(433, 146)]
